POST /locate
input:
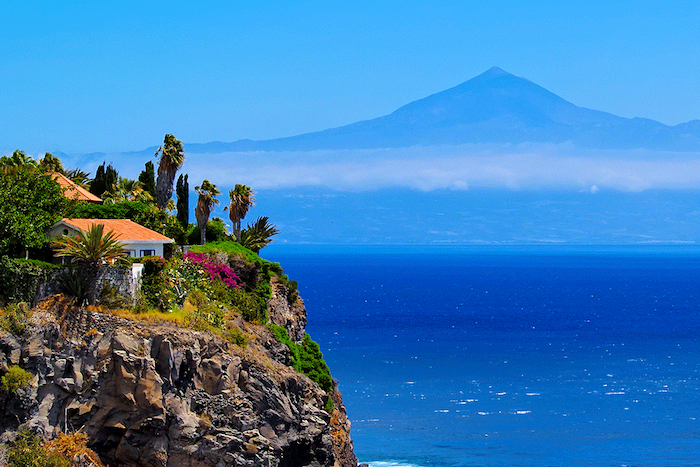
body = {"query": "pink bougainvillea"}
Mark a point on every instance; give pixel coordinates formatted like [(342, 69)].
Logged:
[(214, 269)]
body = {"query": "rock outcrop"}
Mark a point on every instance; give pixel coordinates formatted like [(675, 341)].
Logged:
[(154, 394)]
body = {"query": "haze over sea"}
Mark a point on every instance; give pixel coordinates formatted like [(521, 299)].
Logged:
[(510, 356)]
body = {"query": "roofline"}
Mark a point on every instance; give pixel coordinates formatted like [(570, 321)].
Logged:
[(148, 242), (156, 242)]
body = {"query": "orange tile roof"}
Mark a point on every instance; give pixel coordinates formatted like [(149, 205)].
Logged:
[(73, 191), (124, 229)]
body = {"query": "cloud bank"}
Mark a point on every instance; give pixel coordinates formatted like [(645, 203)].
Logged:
[(522, 167)]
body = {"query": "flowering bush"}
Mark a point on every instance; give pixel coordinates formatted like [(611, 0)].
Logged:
[(213, 269)]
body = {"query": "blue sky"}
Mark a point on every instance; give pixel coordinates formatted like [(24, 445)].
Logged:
[(88, 76)]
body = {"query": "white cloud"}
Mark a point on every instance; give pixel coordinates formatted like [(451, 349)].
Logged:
[(453, 167)]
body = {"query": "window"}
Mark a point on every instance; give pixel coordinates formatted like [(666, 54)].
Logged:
[(148, 252)]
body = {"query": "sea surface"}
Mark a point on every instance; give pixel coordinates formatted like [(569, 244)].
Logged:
[(510, 356)]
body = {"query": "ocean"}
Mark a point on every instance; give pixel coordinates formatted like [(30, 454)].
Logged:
[(510, 356)]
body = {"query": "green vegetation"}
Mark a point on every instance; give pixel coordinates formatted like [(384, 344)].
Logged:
[(211, 288), (126, 189), (29, 451), (72, 283), (182, 191), (105, 179), (216, 231), (20, 278), (306, 358), (51, 163), (31, 203), (148, 179), (15, 318), (155, 289), (91, 249), (259, 235), (241, 200), (14, 378), (206, 200), (171, 157)]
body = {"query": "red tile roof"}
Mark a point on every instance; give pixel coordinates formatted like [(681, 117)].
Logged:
[(73, 191), (124, 229)]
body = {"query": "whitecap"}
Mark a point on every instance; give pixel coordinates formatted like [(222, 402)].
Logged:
[(390, 464)]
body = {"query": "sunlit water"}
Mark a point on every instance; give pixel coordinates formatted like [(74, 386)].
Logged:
[(492, 357)]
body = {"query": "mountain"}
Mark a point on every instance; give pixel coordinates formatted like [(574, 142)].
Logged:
[(494, 107)]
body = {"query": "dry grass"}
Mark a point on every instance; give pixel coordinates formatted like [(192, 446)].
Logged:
[(72, 445)]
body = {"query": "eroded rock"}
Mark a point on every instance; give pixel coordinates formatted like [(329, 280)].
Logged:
[(158, 395)]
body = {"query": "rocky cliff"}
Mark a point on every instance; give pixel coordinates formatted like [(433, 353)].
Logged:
[(155, 394)]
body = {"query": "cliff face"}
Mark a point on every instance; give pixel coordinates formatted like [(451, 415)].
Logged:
[(154, 394)]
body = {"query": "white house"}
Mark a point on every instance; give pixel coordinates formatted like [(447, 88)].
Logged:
[(136, 239)]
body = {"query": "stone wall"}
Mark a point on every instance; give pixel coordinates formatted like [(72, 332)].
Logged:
[(127, 281)]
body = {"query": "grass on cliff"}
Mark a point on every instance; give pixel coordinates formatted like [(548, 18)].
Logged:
[(29, 450), (14, 378), (15, 318), (307, 359)]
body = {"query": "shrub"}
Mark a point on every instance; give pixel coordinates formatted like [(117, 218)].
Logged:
[(20, 278), (111, 298), (14, 378), (70, 445), (236, 336), (329, 407), (252, 308), (214, 269), (306, 358), (154, 287), (197, 298), (28, 451), (72, 283), (15, 318)]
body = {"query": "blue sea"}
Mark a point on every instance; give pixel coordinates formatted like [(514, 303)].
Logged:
[(510, 356)]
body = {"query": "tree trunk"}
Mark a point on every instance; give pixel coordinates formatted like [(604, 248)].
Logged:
[(203, 234), (237, 230), (164, 188), (92, 272)]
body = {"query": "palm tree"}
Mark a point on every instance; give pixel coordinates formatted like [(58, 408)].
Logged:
[(172, 155), (19, 160), (259, 235), (91, 249), (51, 163), (241, 201), (205, 203), (79, 177), (128, 190)]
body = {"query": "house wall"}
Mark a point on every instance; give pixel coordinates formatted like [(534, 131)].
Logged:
[(136, 248)]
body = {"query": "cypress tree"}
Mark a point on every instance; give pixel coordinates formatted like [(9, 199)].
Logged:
[(105, 179), (111, 178), (182, 190), (148, 179), (97, 186)]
